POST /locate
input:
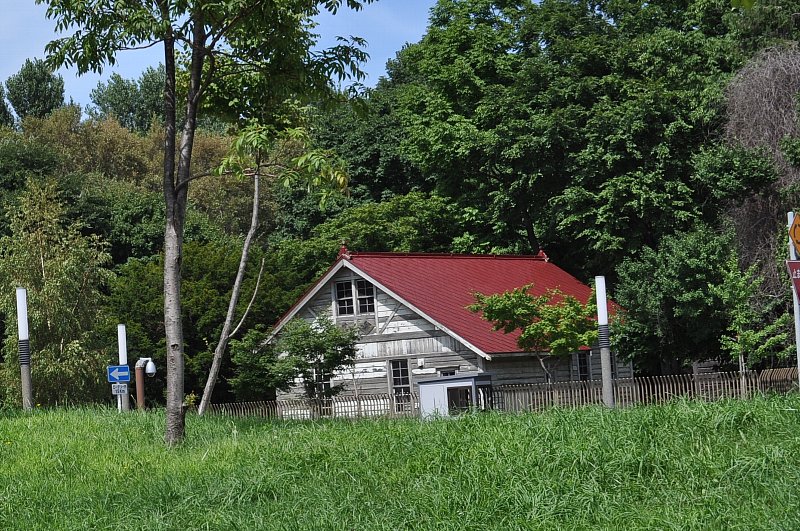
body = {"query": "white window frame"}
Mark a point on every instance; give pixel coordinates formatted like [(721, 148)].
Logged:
[(356, 302), (401, 393)]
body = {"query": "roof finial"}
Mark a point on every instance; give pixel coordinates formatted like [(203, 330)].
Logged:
[(343, 251), (541, 255)]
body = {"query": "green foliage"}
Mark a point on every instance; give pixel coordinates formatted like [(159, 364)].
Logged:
[(751, 333), (320, 170), (673, 314), (369, 138), (6, 118), (317, 350), (65, 277), (208, 270), (134, 103), (97, 146), (22, 157), (555, 323), (128, 217), (35, 90), (409, 223), (578, 126), (259, 368)]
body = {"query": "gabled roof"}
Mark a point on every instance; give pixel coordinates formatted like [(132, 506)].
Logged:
[(439, 287)]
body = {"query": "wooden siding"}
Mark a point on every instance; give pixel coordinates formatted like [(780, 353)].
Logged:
[(623, 369)]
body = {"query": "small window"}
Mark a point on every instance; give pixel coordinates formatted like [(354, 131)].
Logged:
[(583, 365), (401, 384), (322, 383), (449, 371), (366, 297), (459, 399), (355, 296), (344, 298)]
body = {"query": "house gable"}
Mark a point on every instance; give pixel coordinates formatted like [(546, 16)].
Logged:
[(393, 317)]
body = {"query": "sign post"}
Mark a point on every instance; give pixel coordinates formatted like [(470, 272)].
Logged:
[(123, 403), (794, 247)]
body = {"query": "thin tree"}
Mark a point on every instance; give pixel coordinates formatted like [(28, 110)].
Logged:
[(257, 152)]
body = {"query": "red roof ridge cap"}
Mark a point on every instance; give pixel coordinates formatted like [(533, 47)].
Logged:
[(379, 254)]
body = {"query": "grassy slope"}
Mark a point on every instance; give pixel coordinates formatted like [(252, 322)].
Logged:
[(731, 465)]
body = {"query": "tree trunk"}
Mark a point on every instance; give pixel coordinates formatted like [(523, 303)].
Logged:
[(176, 186), (226, 334)]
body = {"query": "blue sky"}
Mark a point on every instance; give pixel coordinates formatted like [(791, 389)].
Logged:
[(386, 24)]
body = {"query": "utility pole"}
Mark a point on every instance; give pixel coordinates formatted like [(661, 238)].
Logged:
[(24, 349), (604, 339)]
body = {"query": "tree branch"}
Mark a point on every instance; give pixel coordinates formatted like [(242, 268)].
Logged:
[(252, 300)]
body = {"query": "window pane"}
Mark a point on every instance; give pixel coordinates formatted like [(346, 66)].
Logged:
[(364, 288), (345, 306), (401, 385), (366, 305)]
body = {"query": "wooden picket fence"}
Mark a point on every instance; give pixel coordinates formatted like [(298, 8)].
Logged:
[(378, 405), (534, 397)]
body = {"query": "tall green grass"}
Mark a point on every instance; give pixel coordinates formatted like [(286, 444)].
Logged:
[(685, 465)]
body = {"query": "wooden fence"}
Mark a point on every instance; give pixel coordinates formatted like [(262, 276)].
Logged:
[(385, 405), (534, 397)]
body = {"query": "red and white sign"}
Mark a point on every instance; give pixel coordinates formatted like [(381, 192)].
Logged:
[(794, 274)]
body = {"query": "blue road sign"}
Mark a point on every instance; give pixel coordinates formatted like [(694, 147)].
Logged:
[(118, 373)]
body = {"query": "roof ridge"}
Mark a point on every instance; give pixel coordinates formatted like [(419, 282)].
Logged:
[(368, 254)]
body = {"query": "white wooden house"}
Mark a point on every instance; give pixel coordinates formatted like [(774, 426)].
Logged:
[(411, 312)]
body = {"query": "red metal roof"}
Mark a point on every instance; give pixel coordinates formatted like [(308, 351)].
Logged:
[(442, 286)]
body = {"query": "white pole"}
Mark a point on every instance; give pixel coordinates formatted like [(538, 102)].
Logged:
[(24, 348), (604, 340), (123, 403), (793, 256)]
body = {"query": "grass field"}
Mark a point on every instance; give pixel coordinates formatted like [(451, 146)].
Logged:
[(686, 465)]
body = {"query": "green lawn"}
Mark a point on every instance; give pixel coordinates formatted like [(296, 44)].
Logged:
[(686, 465)]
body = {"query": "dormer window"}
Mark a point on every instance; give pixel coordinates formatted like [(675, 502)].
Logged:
[(363, 301)]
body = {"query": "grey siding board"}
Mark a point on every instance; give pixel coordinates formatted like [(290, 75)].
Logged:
[(527, 370), (623, 369)]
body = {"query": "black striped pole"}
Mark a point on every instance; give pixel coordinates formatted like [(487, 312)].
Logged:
[(24, 348), (604, 340)]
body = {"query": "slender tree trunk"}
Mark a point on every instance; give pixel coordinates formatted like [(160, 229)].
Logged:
[(226, 334), (176, 186), (172, 251)]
